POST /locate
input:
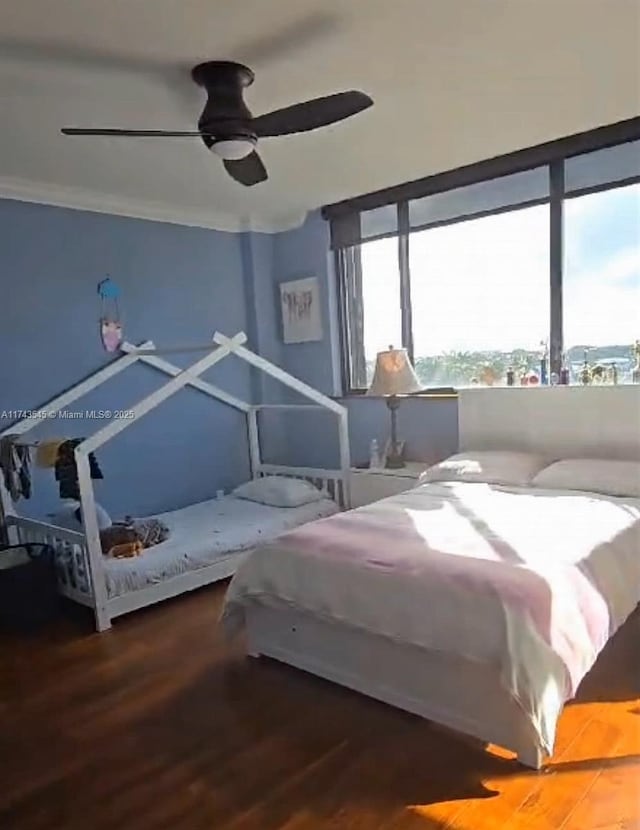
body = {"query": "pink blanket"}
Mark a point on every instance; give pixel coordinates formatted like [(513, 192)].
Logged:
[(531, 581), (370, 539)]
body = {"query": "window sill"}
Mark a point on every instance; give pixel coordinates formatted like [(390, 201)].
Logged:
[(443, 394)]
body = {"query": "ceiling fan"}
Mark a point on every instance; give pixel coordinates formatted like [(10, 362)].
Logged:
[(228, 128)]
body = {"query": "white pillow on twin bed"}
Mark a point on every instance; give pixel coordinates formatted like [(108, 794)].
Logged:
[(279, 491), (596, 475), (515, 469), (69, 516)]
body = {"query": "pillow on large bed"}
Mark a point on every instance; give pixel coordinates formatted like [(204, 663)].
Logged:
[(515, 469), (279, 491), (615, 478)]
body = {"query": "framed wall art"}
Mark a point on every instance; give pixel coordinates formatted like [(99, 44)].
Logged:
[(300, 304)]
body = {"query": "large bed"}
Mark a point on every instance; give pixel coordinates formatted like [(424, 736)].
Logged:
[(479, 606)]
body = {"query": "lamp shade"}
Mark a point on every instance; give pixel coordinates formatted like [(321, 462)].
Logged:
[(394, 374)]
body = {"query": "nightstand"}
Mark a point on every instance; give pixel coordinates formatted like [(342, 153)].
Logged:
[(369, 485)]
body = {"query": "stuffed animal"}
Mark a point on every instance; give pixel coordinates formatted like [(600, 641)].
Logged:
[(126, 550), (116, 535), (144, 532)]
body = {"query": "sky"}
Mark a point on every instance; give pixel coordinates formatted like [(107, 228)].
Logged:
[(483, 284)]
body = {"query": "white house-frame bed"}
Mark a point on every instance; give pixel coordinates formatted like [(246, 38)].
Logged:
[(81, 562), (463, 694)]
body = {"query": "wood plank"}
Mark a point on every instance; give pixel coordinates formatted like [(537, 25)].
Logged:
[(616, 791), (161, 724), (563, 784), (355, 789), (511, 782)]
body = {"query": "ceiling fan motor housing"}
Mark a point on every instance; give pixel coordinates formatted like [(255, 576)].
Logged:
[(225, 115)]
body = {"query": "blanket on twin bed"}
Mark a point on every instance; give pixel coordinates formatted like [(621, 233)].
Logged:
[(530, 580), (133, 537)]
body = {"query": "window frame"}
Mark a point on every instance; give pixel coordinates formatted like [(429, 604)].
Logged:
[(552, 155)]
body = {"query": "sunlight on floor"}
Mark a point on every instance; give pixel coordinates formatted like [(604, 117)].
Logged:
[(499, 752)]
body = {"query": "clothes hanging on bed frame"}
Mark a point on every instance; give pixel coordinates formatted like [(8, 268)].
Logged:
[(67, 472), (47, 452), (15, 464), (15, 459)]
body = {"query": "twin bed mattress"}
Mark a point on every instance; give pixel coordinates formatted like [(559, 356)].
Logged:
[(202, 534)]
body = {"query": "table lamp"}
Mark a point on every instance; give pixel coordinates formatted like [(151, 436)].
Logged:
[(393, 376)]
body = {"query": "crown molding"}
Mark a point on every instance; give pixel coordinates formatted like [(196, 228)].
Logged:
[(25, 190)]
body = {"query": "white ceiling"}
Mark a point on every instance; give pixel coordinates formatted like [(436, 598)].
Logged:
[(453, 81)]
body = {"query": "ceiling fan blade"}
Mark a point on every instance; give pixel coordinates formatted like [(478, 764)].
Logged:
[(248, 171), (312, 114), (133, 133)]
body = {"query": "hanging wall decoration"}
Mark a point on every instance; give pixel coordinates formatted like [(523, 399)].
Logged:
[(300, 301), (110, 323)]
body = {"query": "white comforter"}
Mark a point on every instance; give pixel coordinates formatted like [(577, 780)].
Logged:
[(533, 581)]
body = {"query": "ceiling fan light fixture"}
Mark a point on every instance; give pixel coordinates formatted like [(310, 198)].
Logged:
[(233, 149), (227, 127)]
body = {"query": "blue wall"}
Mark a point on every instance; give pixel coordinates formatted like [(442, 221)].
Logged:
[(263, 328), (429, 425), (178, 285), (304, 252)]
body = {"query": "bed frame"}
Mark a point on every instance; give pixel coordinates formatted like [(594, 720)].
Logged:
[(79, 556), (457, 693), (448, 690)]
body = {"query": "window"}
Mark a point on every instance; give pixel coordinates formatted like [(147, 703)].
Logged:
[(480, 296), (496, 264), (602, 279), (381, 310)]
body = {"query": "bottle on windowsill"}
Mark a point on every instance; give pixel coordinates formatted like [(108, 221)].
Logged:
[(635, 372), (544, 371), (374, 456), (586, 375)]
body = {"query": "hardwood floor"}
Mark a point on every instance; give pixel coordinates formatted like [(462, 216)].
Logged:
[(160, 724)]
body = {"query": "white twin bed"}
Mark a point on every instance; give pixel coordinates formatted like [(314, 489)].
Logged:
[(207, 541), (214, 532), (480, 606)]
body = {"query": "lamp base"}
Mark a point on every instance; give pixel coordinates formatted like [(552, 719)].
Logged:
[(395, 462), (394, 454)]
